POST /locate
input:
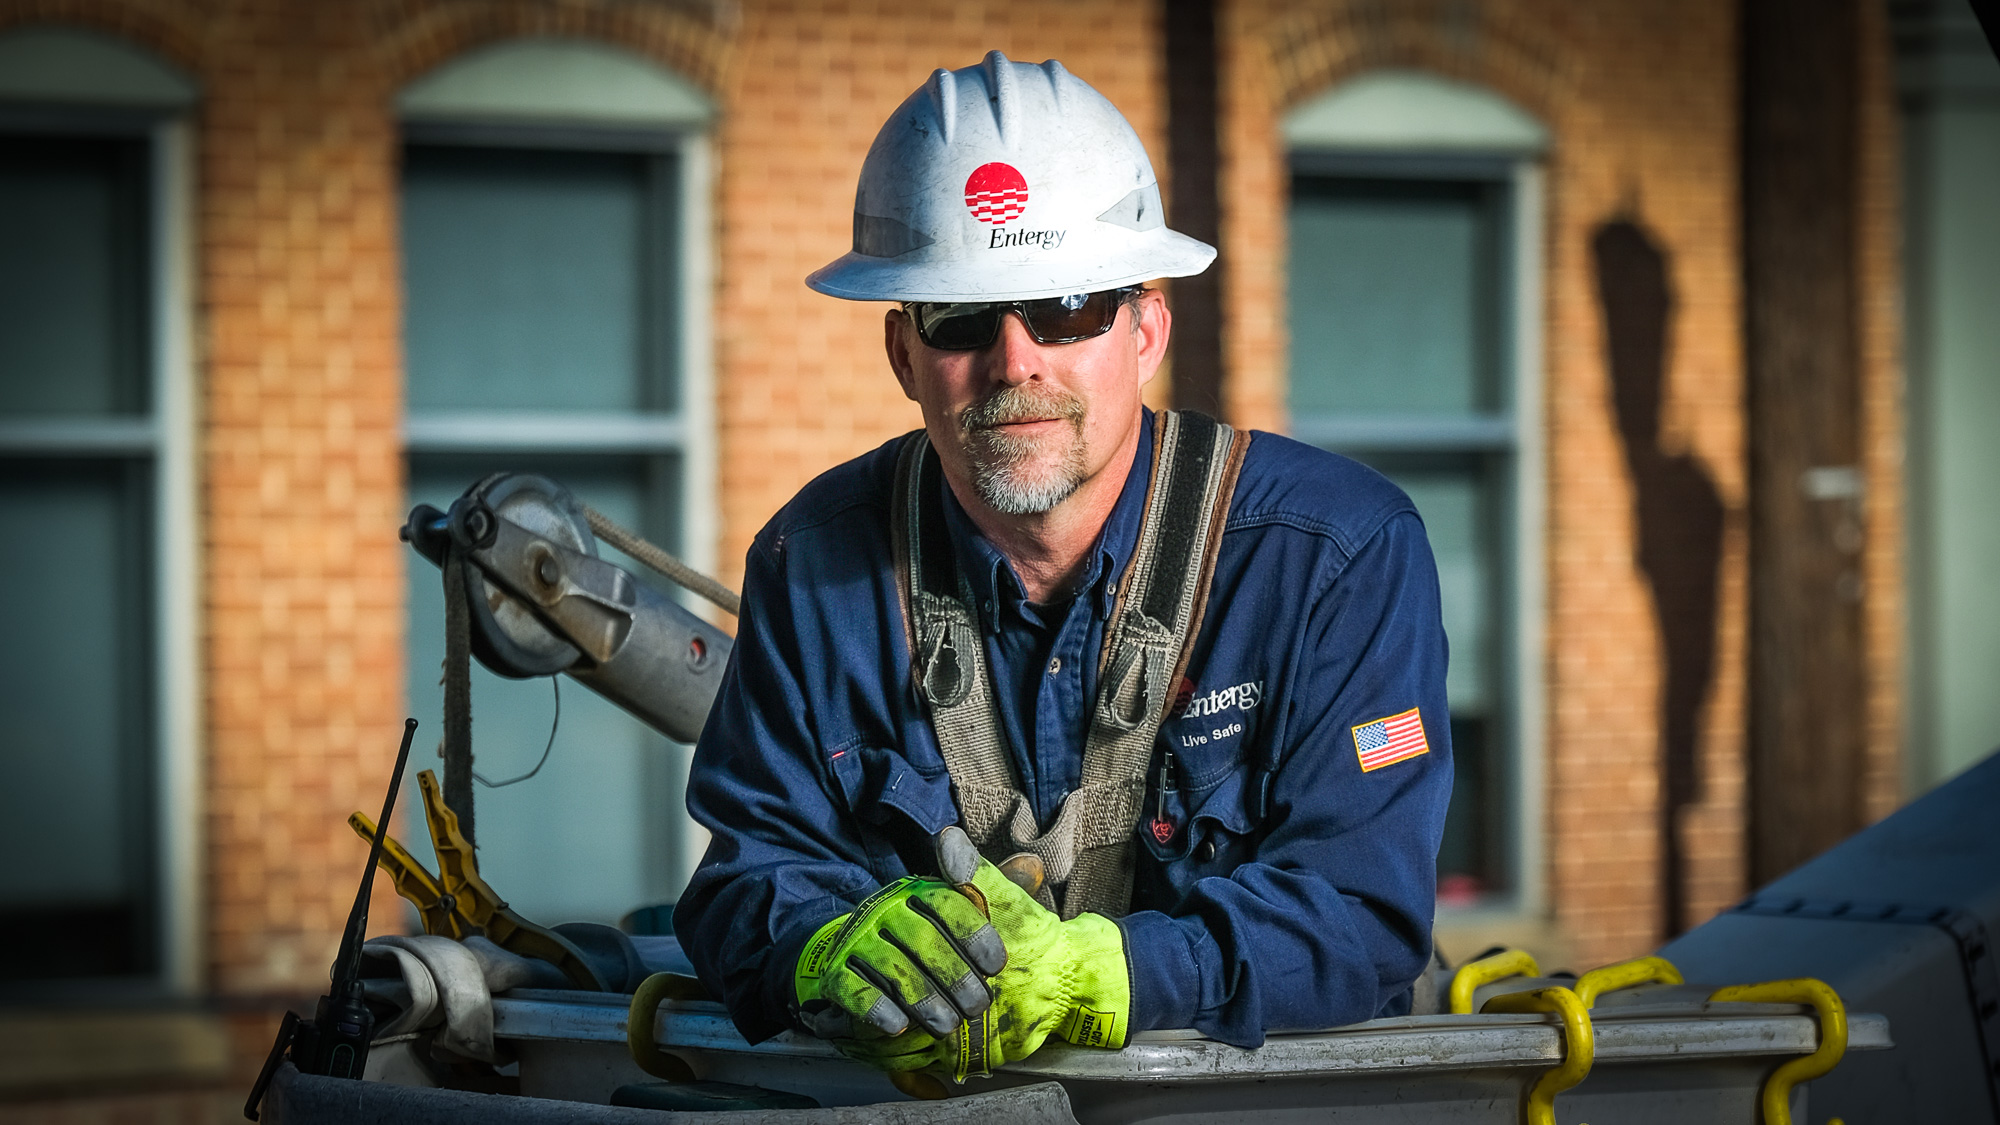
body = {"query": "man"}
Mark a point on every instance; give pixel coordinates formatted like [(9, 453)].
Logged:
[(1183, 687)]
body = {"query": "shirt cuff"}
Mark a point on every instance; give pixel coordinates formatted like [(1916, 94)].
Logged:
[(781, 968), (1166, 979)]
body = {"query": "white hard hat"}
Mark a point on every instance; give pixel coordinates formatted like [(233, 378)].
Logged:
[(1004, 182)]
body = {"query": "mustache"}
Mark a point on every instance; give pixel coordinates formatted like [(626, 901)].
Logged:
[(1019, 404)]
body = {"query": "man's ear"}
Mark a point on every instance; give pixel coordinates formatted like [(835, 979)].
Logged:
[(1153, 323), (896, 342)]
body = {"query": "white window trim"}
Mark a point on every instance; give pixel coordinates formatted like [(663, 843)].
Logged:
[(1519, 914), (178, 564), (701, 518), (1530, 551)]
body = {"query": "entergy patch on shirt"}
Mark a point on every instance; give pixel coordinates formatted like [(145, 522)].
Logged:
[(1384, 742)]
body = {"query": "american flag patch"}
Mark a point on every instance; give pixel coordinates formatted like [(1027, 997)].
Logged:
[(1385, 742)]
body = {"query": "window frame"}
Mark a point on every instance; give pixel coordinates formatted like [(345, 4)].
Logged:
[(164, 437), (687, 430), (1512, 431)]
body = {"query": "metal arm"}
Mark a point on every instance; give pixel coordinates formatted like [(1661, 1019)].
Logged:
[(543, 602)]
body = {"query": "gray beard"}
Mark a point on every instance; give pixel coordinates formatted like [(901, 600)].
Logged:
[(1000, 461)]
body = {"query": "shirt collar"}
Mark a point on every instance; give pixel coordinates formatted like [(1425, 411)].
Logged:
[(993, 580)]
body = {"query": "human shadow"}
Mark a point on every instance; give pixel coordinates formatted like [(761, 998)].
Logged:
[(1679, 516)]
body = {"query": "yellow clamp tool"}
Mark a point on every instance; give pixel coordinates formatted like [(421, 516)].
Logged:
[(457, 902), (1476, 974), (1625, 974), (1579, 1046), (1776, 1100)]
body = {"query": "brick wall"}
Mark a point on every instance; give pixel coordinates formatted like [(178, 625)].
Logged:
[(302, 478)]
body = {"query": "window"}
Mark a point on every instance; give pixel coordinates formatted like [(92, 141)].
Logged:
[(549, 263), (1410, 222), (95, 482)]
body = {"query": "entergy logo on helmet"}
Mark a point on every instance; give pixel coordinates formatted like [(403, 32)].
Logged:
[(996, 193)]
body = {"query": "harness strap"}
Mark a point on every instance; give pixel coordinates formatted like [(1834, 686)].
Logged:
[(949, 658), (1087, 849)]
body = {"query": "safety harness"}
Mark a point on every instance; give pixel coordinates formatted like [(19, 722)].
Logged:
[(1086, 852)]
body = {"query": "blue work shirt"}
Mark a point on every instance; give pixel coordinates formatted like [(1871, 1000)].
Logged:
[(1286, 872)]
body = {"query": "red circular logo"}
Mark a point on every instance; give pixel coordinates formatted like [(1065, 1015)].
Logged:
[(996, 193)]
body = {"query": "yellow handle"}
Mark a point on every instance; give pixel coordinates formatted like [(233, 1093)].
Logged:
[(1625, 974), (1486, 970), (1579, 1046), (639, 1038), (1776, 1100), (458, 865), (413, 881)]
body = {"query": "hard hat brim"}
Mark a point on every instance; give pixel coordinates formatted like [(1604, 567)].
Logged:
[(859, 277)]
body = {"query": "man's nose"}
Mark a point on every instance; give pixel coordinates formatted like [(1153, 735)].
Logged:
[(1015, 357)]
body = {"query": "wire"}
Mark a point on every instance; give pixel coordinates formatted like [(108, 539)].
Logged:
[(555, 682)]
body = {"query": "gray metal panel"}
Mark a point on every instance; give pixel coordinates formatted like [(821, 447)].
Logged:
[(1670, 1060), (303, 1099), (1941, 851), (1403, 1045)]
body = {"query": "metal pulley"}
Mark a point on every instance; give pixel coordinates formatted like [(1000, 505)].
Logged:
[(540, 601)]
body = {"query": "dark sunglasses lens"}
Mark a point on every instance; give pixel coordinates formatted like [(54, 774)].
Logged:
[(1051, 320), (1066, 320), (958, 327)]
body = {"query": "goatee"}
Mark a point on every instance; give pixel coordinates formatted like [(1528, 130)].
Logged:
[(1020, 475)]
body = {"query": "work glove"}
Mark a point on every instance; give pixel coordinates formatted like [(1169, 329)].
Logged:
[(1067, 979), (911, 955)]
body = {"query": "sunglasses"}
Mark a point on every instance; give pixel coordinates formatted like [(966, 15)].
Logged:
[(1051, 320)]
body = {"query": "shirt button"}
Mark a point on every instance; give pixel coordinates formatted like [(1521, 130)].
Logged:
[(1055, 665), (1205, 851)]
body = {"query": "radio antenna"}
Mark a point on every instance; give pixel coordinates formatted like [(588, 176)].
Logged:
[(347, 963)]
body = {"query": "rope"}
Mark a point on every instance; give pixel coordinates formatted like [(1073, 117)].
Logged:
[(665, 564), (458, 693)]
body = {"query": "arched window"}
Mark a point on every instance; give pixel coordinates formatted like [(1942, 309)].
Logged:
[(97, 805), (1413, 310), (554, 245)]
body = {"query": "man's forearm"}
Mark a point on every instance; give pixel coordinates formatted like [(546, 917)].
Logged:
[(1236, 966)]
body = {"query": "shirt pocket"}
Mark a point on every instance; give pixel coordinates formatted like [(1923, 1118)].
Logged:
[(1204, 814), (1220, 832), (899, 806)]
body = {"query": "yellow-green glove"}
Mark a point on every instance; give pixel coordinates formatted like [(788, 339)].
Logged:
[(1067, 979), (910, 955)]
